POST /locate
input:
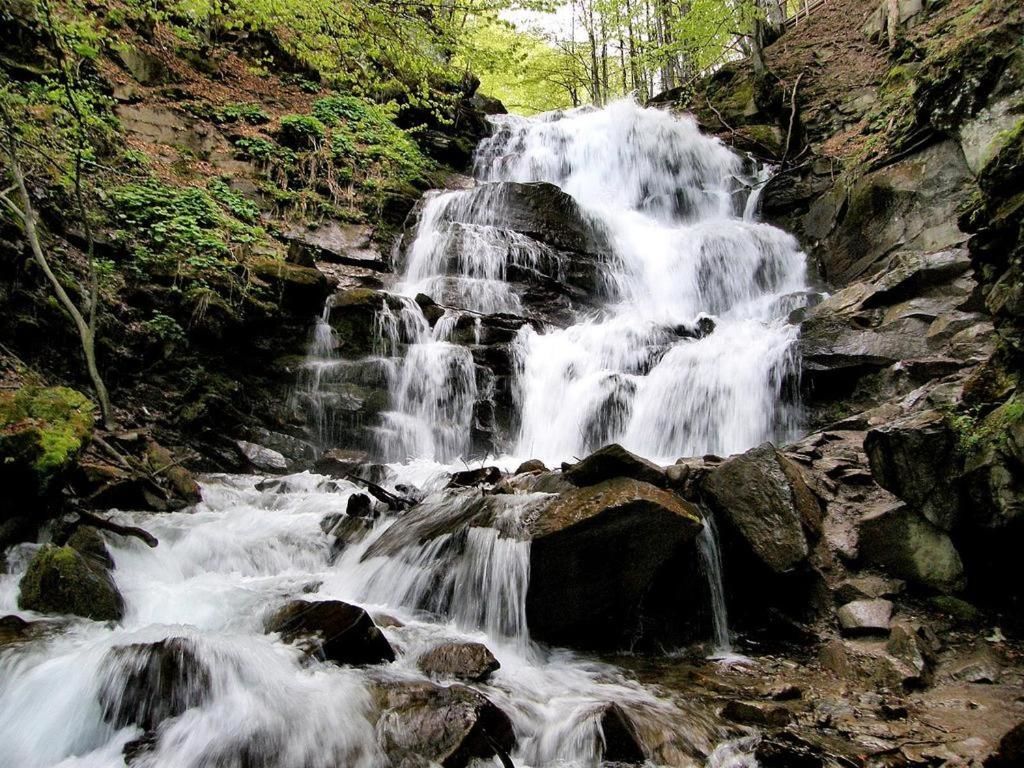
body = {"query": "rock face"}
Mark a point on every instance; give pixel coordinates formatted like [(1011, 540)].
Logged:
[(904, 543), (614, 461), (763, 498), (600, 556), (915, 458), (471, 662), (423, 723), (332, 631), (148, 683), (62, 580)]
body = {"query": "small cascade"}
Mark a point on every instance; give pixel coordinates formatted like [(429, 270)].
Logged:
[(313, 394), (711, 564)]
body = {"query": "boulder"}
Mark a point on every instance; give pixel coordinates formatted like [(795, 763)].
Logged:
[(146, 683), (622, 743), (62, 580), (916, 645), (916, 458), (262, 458), (868, 661), (614, 461), (866, 587), (472, 477), (42, 432), (359, 505), (865, 617), (907, 545), (598, 559), (162, 464), (472, 662), (333, 631), (425, 724), (340, 462), (530, 465), (762, 496)]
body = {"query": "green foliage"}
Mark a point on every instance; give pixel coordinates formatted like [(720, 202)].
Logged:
[(975, 431), (164, 328), (185, 231), (301, 132), (263, 150), (241, 207), (249, 113)]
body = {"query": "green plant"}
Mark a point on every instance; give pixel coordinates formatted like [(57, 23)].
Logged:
[(241, 207), (164, 328), (301, 132)]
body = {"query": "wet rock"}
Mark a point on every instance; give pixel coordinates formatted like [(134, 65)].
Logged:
[(597, 558), (62, 580), (757, 713), (425, 724), (764, 499), (346, 529), (916, 459), (14, 629), (473, 477), (332, 631), (614, 461), (982, 665), (146, 683), (531, 465), (865, 617), (788, 750), (298, 289), (472, 662), (359, 505), (336, 242), (292, 448), (262, 458), (905, 544), (622, 743), (179, 481), (90, 543), (869, 661), (1010, 752), (339, 462)]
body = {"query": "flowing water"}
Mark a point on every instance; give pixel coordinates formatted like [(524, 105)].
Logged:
[(676, 217)]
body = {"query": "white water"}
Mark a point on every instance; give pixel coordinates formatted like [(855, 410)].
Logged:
[(682, 244), (221, 569)]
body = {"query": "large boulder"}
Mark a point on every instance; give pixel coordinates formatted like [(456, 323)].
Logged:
[(762, 496), (424, 724), (42, 432), (146, 683), (472, 662), (901, 541), (599, 560), (865, 617), (622, 743), (63, 580), (916, 458), (332, 631), (614, 461)]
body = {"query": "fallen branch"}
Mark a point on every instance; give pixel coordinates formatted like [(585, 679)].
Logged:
[(87, 518), (394, 502)]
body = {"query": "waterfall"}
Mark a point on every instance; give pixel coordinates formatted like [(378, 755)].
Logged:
[(711, 565), (674, 212)]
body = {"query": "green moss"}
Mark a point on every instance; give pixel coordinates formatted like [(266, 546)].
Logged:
[(977, 435), (62, 580), (42, 430)]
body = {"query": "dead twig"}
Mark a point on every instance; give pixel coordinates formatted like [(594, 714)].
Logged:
[(87, 518)]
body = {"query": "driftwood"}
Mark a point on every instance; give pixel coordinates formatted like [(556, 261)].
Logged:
[(394, 502), (87, 518)]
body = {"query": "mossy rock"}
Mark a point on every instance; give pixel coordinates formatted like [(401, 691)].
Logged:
[(62, 580), (42, 431)]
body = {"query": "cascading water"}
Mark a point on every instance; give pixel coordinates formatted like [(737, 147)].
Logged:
[(711, 564), (675, 215), (678, 251)]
